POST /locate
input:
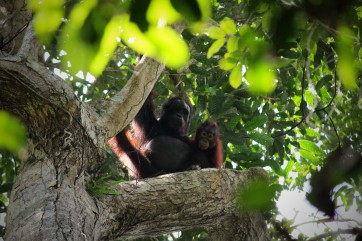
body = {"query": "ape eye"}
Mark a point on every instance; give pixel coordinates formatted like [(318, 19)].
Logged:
[(203, 134)]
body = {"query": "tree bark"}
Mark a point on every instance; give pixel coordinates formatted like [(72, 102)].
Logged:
[(66, 141)]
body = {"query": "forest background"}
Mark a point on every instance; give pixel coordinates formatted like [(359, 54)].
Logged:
[(281, 78)]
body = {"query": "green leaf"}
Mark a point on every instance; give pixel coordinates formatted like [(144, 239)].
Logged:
[(216, 33), (227, 64), (311, 147), (257, 121), (236, 75), (309, 97), (162, 10), (262, 138), (309, 156), (12, 133), (261, 78), (171, 49), (228, 25), (257, 195), (346, 68), (215, 47), (47, 17), (232, 44)]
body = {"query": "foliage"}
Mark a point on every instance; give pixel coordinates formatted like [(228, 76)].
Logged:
[(102, 186), (281, 78), (95, 28), (8, 169), (12, 133)]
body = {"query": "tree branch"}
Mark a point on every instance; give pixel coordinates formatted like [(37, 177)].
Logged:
[(353, 231), (181, 201), (121, 108)]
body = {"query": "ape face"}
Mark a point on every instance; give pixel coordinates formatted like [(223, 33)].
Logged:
[(175, 116), (205, 138)]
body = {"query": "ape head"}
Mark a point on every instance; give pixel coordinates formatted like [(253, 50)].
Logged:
[(207, 135), (176, 116)]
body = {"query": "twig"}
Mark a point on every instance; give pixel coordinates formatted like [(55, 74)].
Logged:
[(353, 231)]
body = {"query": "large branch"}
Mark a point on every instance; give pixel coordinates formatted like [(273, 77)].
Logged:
[(116, 113), (181, 201)]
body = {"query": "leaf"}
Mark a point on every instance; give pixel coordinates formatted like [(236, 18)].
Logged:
[(215, 47), (12, 133), (257, 195), (257, 121), (107, 46), (309, 156), (309, 97), (216, 33), (262, 138), (227, 64), (232, 44), (171, 49), (346, 68), (162, 10), (261, 78), (311, 147), (228, 25), (236, 75)]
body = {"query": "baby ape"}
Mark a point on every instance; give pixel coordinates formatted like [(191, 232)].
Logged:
[(159, 146), (207, 150)]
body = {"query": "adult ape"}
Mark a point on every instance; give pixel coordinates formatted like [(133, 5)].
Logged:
[(156, 146), (159, 146)]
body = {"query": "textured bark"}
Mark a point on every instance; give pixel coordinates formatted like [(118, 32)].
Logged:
[(66, 140), (181, 201)]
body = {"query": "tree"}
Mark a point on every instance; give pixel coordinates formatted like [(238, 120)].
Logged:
[(281, 79), (66, 142)]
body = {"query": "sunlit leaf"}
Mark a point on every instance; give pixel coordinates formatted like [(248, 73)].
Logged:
[(309, 156), (12, 133), (232, 44), (261, 78), (79, 51), (312, 132), (107, 46), (215, 47), (257, 121), (227, 64), (236, 75), (228, 25), (36, 5), (47, 18), (346, 68), (216, 33), (309, 97), (135, 38), (262, 138), (161, 12), (171, 49), (311, 147)]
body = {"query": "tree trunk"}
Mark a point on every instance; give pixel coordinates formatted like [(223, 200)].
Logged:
[(66, 141)]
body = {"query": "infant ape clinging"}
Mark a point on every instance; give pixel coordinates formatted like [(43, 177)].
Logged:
[(159, 146), (208, 150)]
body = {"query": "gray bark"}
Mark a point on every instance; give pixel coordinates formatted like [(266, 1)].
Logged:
[(66, 141)]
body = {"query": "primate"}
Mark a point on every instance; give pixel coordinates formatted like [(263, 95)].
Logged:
[(207, 150), (159, 146)]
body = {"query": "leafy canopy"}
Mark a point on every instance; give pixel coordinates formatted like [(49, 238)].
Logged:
[(281, 78)]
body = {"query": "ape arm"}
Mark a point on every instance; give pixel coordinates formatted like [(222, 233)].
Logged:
[(144, 121), (137, 165)]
